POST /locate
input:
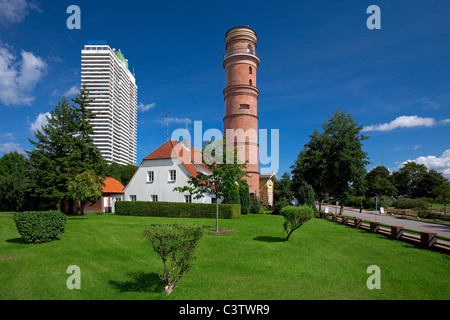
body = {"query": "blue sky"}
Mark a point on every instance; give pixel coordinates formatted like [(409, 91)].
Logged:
[(316, 56)]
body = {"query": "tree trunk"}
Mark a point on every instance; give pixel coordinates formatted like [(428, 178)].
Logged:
[(217, 214), (341, 211), (82, 209), (168, 289)]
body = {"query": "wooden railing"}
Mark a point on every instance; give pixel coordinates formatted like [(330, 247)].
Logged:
[(428, 240)]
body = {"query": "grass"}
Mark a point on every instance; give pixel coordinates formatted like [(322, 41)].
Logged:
[(322, 260)]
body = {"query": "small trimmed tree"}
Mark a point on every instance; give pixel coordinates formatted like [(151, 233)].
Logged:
[(216, 155), (85, 187), (295, 217), (175, 244)]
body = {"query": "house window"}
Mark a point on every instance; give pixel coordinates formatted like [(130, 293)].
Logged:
[(154, 198), (244, 106), (188, 198), (133, 197), (172, 175), (150, 176)]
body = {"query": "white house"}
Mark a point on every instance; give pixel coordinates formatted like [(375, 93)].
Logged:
[(167, 167)]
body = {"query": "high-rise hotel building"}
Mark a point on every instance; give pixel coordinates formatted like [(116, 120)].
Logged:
[(113, 89)]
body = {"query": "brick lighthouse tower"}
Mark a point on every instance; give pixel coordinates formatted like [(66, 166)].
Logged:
[(241, 99)]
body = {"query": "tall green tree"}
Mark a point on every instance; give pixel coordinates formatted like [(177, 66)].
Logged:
[(406, 180), (309, 167), (86, 152), (52, 159), (306, 196), (379, 183), (62, 149), (123, 173), (428, 183), (334, 158), (14, 182), (11, 163), (282, 189)]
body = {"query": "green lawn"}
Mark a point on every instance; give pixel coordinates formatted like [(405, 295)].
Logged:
[(322, 260)]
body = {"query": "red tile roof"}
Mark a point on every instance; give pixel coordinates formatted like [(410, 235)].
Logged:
[(112, 186), (170, 149)]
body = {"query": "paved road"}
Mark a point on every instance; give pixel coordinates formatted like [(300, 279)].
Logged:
[(441, 230)]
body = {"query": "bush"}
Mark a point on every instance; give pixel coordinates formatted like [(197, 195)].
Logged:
[(411, 204), (254, 206), (245, 198), (279, 205), (232, 196), (40, 226), (295, 217), (175, 244), (177, 209), (354, 201)]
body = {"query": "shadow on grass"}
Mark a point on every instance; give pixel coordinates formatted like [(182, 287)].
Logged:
[(269, 239), (140, 282), (21, 240), (18, 240)]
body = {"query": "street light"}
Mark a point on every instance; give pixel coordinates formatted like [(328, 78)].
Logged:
[(376, 207)]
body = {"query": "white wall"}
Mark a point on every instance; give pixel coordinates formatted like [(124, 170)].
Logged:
[(161, 186)]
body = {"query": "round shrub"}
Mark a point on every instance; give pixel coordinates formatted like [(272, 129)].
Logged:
[(295, 217), (40, 226)]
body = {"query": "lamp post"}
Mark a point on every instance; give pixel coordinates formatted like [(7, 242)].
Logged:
[(376, 207)]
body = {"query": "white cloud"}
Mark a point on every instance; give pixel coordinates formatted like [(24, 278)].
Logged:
[(18, 78), (11, 147), (402, 122), (41, 120), (14, 11), (8, 135), (72, 91), (440, 164), (145, 107), (185, 121)]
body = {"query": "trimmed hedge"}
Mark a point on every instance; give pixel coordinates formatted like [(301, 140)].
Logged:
[(411, 204), (40, 226), (177, 209)]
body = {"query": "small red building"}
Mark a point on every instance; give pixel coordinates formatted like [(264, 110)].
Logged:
[(112, 192)]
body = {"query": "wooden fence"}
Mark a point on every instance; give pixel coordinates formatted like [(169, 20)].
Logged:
[(428, 240)]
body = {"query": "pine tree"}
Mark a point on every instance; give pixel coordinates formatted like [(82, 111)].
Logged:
[(63, 149)]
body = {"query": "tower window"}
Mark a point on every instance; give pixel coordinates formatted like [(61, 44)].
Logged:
[(250, 82), (244, 106), (250, 71)]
